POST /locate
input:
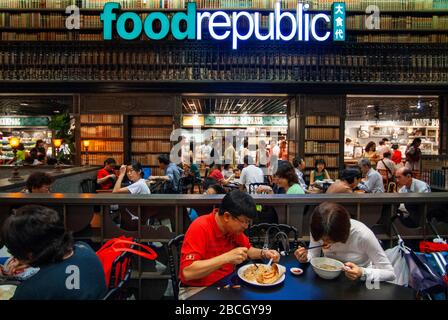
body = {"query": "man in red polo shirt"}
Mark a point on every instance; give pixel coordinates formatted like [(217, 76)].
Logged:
[(106, 176), (216, 242)]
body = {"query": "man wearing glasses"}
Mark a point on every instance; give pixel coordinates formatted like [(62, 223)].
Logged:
[(215, 243), (39, 182)]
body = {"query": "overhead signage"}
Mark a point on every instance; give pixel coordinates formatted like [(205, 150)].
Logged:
[(223, 25)]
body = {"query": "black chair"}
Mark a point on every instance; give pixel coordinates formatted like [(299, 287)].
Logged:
[(122, 266), (254, 186), (274, 236), (88, 186), (185, 184), (174, 247)]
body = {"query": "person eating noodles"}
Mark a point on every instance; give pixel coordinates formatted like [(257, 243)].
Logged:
[(347, 240), (215, 243)]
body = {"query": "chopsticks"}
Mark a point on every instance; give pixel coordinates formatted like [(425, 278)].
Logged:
[(253, 262), (315, 247)]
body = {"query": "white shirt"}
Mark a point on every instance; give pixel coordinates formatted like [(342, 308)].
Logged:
[(417, 186), (361, 248), (387, 163), (276, 151), (205, 150), (185, 153), (348, 150), (230, 155), (251, 174), (382, 150), (243, 152), (227, 173), (139, 187)]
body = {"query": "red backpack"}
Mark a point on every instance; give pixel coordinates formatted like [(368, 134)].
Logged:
[(115, 256)]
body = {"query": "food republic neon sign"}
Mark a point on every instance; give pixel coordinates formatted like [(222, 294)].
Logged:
[(222, 25)]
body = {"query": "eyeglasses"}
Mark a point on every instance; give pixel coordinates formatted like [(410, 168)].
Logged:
[(46, 188), (245, 222)]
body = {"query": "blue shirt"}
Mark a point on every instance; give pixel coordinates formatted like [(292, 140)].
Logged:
[(174, 173), (374, 182), (79, 277)]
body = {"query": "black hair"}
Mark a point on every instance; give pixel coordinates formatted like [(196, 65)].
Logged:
[(286, 171), (38, 179), (246, 144), (36, 234), (382, 143), (415, 141), (109, 161), (407, 172), (395, 146), (215, 165), (296, 162), (137, 167), (387, 154), (369, 146), (319, 161), (227, 166), (350, 174), (218, 189), (238, 203), (21, 146), (164, 158), (248, 160), (38, 142), (330, 220)]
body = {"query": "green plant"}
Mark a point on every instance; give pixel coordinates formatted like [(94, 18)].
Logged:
[(63, 127)]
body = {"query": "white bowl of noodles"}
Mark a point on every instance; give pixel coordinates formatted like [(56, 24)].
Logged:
[(327, 268)]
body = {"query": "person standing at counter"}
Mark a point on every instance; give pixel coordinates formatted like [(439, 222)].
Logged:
[(41, 149), (205, 151), (413, 155), (371, 154), (134, 173), (383, 148), (348, 148), (347, 240), (215, 243), (320, 172), (283, 155), (396, 154), (373, 181), (106, 177), (387, 164)]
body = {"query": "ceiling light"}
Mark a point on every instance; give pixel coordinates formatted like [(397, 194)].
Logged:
[(24, 104)]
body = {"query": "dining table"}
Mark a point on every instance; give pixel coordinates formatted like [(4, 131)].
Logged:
[(307, 286)]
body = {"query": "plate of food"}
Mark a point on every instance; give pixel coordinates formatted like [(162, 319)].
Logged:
[(7, 291), (262, 275)]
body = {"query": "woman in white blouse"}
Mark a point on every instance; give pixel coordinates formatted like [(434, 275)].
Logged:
[(348, 241), (134, 172)]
